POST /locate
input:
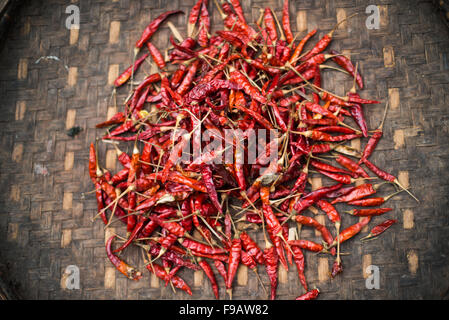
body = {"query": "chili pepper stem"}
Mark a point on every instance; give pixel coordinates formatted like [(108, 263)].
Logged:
[(338, 24), (175, 31), (210, 228), (229, 292), (279, 25), (369, 237), (354, 89), (384, 116), (393, 194), (337, 227), (324, 66), (130, 188), (260, 281), (396, 181)]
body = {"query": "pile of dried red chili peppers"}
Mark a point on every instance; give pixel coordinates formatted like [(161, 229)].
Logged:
[(183, 214)]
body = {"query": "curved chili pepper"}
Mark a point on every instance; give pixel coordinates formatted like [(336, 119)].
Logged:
[(123, 267), (251, 247), (300, 47), (308, 221), (241, 80), (210, 274), (298, 257), (357, 114), (380, 228), (115, 119), (162, 274), (153, 26), (126, 75), (311, 295), (330, 210), (378, 172), (346, 64), (221, 269), (351, 165), (172, 227), (271, 264)]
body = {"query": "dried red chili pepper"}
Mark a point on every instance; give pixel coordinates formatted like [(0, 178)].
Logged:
[(251, 247), (313, 294), (369, 212), (162, 274), (286, 22), (307, 245), (203, 38), (351, 165), (271, 264), (193, 17), (372, 202), (380, 228), (210, 274), (126, 75), (153, 26), (233, 263), (351, 231), (357, 193), (123, 267), (156, 55), (346, 64), (298, 257), (221, 269)]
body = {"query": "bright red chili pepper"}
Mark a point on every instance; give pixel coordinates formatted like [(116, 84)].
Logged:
[(271, 264), (357, 193), (346, 64), (286, 22), (369, 212), (162, 274), (123, 267), (156, 55), (313, 294), (251, 247), (233, 263), (378, 172), (351, 231), (351, 165), (300, 47), (153, 26), (298, 257), (380, 228), (210, 274), (126, 75)]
